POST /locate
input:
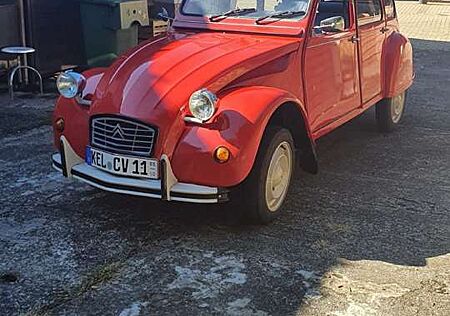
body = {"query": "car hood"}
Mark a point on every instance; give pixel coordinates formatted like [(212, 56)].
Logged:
[(155, 80)]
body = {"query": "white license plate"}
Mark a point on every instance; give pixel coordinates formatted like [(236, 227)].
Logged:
[(122, 165)]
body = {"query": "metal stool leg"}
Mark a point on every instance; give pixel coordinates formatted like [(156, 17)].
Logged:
[(13, 74), (11, 83), (19, 63), (8, 65)]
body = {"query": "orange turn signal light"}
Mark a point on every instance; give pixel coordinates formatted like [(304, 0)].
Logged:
[(60, 124), (222, 154)]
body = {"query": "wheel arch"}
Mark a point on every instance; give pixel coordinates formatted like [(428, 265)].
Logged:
[(398, 64), (289, 116)]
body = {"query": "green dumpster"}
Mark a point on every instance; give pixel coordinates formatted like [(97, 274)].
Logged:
[(110, 27)]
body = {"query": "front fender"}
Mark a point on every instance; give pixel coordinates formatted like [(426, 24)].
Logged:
[(398, 63), (76, 116), (239, 125)]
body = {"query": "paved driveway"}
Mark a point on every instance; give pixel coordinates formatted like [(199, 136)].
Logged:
[(370, 235)]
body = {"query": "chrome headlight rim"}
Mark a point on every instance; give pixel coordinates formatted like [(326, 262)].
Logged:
[(211, 104), (70, 84)]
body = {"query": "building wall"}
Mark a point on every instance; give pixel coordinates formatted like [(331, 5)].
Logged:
[(9, 26), (54, 29)]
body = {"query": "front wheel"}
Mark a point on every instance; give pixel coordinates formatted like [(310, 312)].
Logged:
[(389, 112), (264, 192)]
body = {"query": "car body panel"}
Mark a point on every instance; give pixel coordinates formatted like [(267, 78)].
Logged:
[(332, 86), (238, 128), (371, 45), (76, 124), (398, 64), (158, 90)]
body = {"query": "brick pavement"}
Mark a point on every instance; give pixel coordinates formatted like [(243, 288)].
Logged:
[(425, 21)]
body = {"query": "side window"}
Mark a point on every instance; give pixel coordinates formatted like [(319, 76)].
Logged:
[(368, 11), (389, 8), (332, 8)]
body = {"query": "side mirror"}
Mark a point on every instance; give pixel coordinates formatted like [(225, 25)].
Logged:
[(164, 15), (334, 24)]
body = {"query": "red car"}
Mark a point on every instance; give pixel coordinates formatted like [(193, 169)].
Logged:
[(232, 99)]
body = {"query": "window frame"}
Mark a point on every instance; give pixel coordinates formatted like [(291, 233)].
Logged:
[(394, 10), (351, 22), (300, 18), (370, 22)]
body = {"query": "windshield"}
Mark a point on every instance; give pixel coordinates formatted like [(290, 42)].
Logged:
[(262, 7)]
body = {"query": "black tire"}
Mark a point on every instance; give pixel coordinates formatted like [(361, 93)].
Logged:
[(251, 196), (389, 112)]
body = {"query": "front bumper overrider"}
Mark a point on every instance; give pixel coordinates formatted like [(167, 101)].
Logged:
[(166, 188)]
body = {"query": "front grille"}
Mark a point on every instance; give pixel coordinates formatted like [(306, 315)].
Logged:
[(122, 136)]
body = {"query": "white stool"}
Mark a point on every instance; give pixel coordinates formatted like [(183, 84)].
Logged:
[(21, 51)]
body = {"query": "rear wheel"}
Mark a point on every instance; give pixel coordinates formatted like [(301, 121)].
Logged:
[(264, 192), (389, 112)]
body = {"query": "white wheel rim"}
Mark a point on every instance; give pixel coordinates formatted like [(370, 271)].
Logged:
[(278, 176), (398, 105)]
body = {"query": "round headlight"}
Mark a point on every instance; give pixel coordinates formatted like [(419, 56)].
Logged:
[(202, 104), (70, 84)]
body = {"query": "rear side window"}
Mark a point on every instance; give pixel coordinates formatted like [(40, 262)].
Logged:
[(369, 11), (389, 8)]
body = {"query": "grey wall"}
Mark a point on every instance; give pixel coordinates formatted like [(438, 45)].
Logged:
[(9, 26)]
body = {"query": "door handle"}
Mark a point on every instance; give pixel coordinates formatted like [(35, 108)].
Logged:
[(384, 30), (355, 39)]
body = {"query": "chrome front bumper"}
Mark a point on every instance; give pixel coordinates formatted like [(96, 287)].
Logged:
[(168, 188)]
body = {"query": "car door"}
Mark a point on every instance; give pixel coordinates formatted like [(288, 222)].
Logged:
[(331, 67), (371, 34)]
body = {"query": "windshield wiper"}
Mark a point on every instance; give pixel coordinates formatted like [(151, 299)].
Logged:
[(280, 15), (235, 12)]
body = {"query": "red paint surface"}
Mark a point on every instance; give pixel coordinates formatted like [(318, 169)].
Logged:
[(254, 70), (331, 70), (237, 127)]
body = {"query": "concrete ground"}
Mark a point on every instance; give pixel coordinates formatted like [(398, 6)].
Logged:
[(370, 235)]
